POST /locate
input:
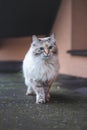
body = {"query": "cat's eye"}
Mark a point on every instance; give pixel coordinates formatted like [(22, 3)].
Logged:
[(41, 48), (34, 44), (50, 47)]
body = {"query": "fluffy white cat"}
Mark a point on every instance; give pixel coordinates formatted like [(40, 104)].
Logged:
[(40, 67)]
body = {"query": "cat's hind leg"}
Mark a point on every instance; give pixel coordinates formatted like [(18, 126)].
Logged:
[(29, 88), (30, 91)]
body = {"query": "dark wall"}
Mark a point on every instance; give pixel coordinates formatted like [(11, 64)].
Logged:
[(27, 17)]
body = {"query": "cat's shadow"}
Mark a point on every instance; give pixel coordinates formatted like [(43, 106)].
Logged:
[(66, 99)]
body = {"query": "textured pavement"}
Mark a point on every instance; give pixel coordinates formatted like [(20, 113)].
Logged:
[(67, 109)]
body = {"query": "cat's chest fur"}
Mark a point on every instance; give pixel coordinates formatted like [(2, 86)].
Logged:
[(39, 69)]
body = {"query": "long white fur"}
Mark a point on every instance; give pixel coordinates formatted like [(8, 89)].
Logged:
[(37, 69)]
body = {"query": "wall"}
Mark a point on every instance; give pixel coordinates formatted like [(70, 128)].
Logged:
[(14, 49), (79, 24), (72, 65)]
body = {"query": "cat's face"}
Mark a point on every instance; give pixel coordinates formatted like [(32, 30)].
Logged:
[(44, 48)]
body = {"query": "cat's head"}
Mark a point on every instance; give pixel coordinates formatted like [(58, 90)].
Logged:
[(44, 48)]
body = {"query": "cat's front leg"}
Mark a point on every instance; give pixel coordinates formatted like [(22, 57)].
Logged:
[(47, 97), (40, 95), (46, 86)]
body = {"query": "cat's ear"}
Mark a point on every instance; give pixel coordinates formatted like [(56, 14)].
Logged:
[(34, 38), (52, 37)]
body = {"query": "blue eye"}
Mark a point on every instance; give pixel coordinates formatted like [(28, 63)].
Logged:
[(50, 47), (41, 48)]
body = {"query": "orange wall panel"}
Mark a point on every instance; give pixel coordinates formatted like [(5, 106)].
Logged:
[(14, 48), (71, 65)]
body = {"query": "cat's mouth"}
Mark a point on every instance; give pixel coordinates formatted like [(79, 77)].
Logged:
[(46, 54), (45, 57)]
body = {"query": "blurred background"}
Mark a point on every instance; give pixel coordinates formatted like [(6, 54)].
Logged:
[(19, 20)]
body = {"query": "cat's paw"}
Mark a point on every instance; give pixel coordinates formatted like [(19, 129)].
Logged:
[(40, 99), (30, 92)]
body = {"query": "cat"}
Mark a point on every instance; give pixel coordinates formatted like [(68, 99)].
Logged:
[(41, 67)]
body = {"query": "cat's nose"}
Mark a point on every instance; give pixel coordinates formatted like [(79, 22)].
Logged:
[(47, 51), (46, 55)]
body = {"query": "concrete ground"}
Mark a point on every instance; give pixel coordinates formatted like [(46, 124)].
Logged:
[(67, 109)]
